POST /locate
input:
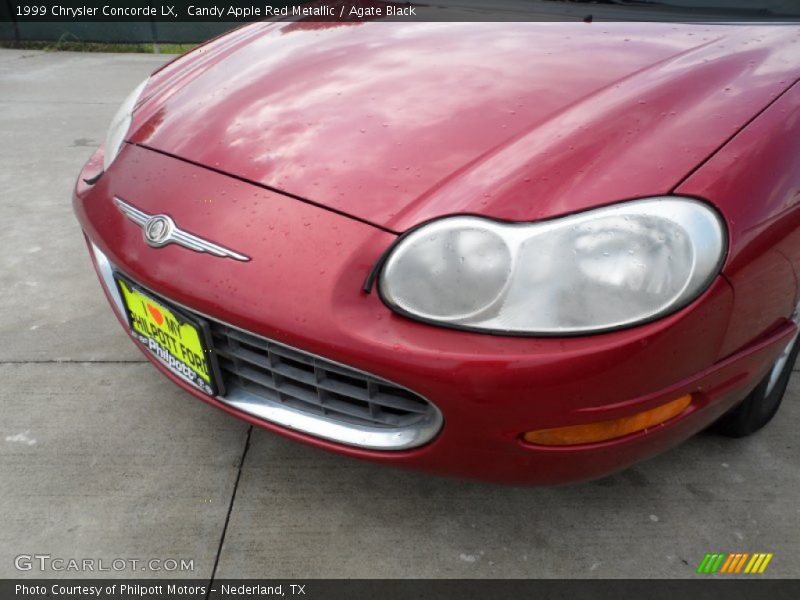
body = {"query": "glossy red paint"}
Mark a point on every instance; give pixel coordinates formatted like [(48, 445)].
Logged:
[(755, 179), (399, 123), (261, 104)]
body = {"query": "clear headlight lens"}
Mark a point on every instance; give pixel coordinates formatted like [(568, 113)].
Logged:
[(599, 270), (120, 125)]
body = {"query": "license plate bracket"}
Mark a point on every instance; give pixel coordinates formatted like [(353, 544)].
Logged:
[(179, 341)]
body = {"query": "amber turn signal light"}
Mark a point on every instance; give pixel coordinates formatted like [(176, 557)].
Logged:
[(607, 430)]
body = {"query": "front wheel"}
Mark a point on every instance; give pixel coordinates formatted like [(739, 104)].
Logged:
[(762, 403)]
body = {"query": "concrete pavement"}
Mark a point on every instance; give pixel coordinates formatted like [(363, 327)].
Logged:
[(101, 457)]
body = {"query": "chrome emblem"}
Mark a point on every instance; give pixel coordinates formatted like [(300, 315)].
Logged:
[(157, 230), (160, 230)]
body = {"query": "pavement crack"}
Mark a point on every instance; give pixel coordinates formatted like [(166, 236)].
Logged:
[(55, 361), (56, 103), (230, 510)]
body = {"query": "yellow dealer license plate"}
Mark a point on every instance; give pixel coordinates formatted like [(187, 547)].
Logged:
[(178, 341)]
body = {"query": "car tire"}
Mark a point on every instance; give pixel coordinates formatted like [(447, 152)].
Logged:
[(758, 408)]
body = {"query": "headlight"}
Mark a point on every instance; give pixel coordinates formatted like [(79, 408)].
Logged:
[(594, 271), (120, 125)]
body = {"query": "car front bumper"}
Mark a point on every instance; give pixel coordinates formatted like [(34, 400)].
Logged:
[(302, 289)]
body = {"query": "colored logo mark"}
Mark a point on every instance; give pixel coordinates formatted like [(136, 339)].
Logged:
[(735, 563)]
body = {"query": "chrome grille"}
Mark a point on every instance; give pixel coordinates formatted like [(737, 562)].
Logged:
[(304, 392), (311, 384)]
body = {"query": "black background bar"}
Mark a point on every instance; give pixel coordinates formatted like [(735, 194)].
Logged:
[(702, 587)]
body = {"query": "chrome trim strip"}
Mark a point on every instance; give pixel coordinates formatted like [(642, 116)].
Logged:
[(360, 436), (777, 369), (160, 230), (107, 278)]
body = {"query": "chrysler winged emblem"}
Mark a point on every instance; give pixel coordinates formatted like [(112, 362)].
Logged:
[(160, 230)]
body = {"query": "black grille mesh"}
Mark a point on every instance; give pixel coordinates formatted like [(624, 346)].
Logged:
[(310, 384)]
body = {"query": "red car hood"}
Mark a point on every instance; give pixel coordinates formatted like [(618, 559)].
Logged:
[(396, 123)]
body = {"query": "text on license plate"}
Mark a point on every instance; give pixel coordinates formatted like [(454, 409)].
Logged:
[(172, 338)]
